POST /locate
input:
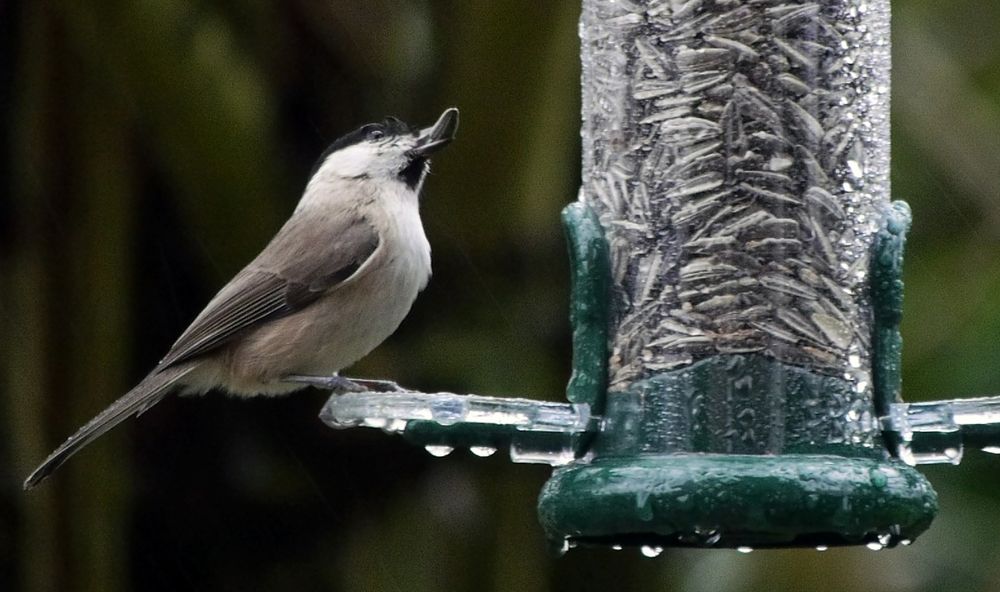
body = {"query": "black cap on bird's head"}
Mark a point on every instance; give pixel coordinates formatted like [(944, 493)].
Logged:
[(389, 146)]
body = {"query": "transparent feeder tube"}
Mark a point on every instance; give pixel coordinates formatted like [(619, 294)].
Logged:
[(737, 155)]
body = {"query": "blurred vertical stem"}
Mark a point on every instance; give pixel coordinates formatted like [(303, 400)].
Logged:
[(206, 107), (99, 264), (73, 229), (25, 300)]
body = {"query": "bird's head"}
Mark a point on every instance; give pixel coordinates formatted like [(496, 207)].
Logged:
[(388, 151)]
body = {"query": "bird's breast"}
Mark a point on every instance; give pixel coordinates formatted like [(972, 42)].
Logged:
[(371, 307), (350, 320)]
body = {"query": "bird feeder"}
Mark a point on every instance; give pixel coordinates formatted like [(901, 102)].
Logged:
[(736, 296)]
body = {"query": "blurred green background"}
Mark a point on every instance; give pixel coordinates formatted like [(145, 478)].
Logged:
[(153, 146)]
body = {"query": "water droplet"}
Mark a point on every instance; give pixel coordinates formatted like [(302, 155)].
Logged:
[(482, 451), (745, 549), (438, 450), (395, 426), (448, 411), (376, 422), (651, 551), (821, 547)]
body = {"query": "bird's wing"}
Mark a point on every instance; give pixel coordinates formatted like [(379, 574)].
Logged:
[(304, 260)]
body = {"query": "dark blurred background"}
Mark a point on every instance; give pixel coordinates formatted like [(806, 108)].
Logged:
[(152, 147)]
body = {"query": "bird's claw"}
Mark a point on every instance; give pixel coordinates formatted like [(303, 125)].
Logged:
[(377, 386), (336, 384), (340, 385)]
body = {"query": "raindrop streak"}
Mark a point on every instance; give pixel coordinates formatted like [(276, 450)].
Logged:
[(651, 551), (438, 450)]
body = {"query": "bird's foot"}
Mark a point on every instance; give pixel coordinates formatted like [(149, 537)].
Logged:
[(334, 383), (340, 385), (377, 386)]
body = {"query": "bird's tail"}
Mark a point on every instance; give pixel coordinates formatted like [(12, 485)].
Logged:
[(147, 393)]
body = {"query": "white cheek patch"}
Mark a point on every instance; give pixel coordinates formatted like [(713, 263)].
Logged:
[(374, 160), (352, 161)]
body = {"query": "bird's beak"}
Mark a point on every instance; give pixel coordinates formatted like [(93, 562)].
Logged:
[(431, 139)]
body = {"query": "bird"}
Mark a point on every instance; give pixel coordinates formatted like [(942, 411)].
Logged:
[(335, 281)]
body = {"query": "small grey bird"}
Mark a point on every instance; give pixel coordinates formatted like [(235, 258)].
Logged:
[(337, 279)]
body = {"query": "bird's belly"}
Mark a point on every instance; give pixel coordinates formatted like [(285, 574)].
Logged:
[(348, 333), (331, 334)]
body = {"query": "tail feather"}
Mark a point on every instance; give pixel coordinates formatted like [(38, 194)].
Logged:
[(147, 393)]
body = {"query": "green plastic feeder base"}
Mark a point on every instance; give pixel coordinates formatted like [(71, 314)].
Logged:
[(740, 501)]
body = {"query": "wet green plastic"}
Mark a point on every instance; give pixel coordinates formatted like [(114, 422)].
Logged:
[(590, 285), (737, 450), (887, 303), (738, 404), (712, 500)]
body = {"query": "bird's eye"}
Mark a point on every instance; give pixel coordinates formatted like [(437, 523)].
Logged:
[(376, 135)]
